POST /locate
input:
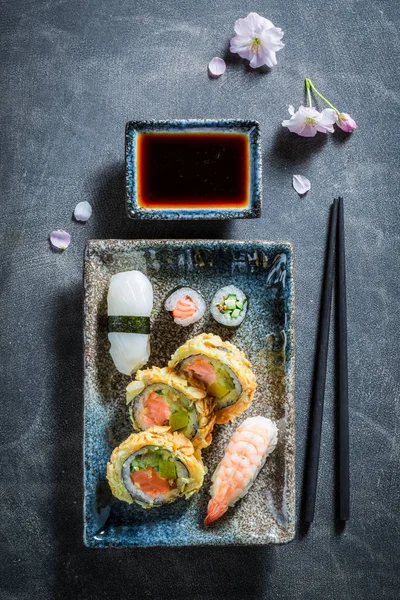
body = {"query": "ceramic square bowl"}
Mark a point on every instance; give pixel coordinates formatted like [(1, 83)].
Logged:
[(161, 175)]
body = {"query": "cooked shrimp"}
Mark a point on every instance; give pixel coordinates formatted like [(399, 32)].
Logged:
[(156, 410), (245, 455), (184, 308)]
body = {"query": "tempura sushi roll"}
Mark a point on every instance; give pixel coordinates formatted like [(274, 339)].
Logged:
[(164, 397), (130, 302), (155, 467), (229, 306), (221, 369), (186, 306)]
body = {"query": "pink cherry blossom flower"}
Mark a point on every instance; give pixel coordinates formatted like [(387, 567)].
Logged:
[(345, 122), (257, 39), (307, 121)]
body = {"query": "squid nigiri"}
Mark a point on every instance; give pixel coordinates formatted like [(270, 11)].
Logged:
[(245, 455), (130, 302)]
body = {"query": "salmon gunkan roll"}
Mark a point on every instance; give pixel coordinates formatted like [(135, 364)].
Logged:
[(164, 397), (220, 369), (155, 467)]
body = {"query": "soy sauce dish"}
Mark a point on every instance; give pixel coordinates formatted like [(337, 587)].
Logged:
[(193, 169)]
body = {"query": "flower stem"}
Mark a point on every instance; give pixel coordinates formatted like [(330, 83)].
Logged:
[(310, 85), (307, 81)]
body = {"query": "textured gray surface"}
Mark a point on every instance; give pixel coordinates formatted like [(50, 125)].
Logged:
[(72, 74)]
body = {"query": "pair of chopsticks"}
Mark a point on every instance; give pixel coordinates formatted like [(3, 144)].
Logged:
[(335, 248)]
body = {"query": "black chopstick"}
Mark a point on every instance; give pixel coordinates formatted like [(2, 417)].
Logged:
[(343, 400), (317, 403)]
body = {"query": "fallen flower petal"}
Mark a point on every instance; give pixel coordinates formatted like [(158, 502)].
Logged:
[(345, 122), (257, 39), (217, 66), (60, 239), (83, 211), (301, 184)]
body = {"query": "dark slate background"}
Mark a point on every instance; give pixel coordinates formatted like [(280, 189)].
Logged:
[(72, 74)]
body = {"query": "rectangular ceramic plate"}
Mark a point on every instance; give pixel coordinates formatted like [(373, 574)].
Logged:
[(250, 128), (264, 270)]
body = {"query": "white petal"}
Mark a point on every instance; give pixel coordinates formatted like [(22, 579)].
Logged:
[(326, 120), (296, 119), (301, 184), (269, 58), (217, 66), (255, 22), (241, 27), (308, 131), (60, 239), (309, 111), (244, 53), (271, 39), (291, 110), (266, 23), (257, 60), (83, 211), (239, 44)]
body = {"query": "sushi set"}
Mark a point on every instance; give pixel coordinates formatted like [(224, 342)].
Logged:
[(189, 368)]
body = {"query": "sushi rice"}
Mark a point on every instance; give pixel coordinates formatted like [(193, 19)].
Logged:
[(186, 306), (229, 306)]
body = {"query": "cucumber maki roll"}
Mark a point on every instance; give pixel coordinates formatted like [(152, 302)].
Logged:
[(163, 397), (220, 369), (155, 467), (229, 306)]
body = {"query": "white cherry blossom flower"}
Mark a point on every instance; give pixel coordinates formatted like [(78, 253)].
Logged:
[(257, 39), (307, 121)]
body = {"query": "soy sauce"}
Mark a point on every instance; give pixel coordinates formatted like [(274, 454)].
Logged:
[(193, 170)]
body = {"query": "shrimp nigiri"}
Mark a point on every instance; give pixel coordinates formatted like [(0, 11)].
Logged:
[(245, 455)]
